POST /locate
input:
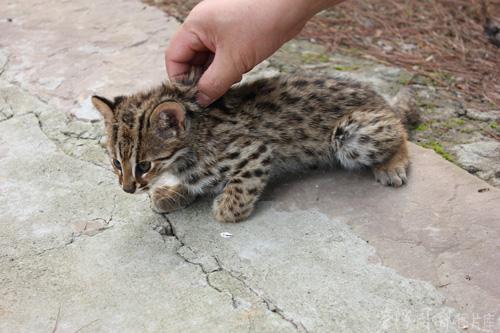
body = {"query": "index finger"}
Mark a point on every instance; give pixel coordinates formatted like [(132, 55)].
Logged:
[(182, 51)]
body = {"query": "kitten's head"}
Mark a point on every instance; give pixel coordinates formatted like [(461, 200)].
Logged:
[(147, 132)]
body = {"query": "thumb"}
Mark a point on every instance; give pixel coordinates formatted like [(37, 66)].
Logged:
[(218, 78)]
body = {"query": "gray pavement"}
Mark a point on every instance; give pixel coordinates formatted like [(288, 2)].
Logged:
[(325, 252)]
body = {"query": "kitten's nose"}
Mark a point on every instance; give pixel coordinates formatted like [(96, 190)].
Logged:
[(129, 188)]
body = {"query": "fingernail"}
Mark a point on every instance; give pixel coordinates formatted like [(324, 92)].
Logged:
[(203, 99)]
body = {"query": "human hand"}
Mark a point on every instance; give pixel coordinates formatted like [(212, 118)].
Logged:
[(230, 37)]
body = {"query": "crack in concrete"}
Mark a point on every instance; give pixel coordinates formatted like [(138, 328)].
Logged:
[(57, 143), (168, 230), (6, 117), (97, 231), (41, 126), (299, 327), (4, 65)]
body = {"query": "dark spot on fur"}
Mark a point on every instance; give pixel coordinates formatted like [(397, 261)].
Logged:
[(301, 134), (266, 106), (312, 96), (258, 172), (364, 139), (337, 109), (242, 164), (296, 117), (221, 120), (259, 84), (353, 154), (236, 181), (339, 131), (238, 190), (319, 82), (233, 156), (254, 156), (299, 83), (246, 174), (193, 179), (128, 118), (325, 128), (266, 90), (266, 161), (286, 98), (309, 152), (184, 165), (253, 191), (221, 105), (250, 96), (317, 118), (223, 169)]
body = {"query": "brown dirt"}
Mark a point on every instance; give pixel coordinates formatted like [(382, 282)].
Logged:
[(442, 40)]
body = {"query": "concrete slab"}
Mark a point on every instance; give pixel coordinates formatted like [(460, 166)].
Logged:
[(77, 254), (325, 252)]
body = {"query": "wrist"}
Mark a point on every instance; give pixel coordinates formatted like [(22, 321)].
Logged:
[(296, 13)]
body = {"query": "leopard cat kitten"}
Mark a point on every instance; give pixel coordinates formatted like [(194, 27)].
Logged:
[(162, 142)]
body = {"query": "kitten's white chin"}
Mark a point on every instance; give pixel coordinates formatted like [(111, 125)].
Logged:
[(165, 180)]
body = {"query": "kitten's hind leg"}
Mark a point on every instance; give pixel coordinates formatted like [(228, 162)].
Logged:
[(374, 139), (167, 199), (393, 171)]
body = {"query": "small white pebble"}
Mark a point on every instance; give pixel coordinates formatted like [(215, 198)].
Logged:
[(226, 234)]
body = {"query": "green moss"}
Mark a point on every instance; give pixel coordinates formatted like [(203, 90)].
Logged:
[(424, 80), (422, 127), (427, 106), (443, 77), (346, 67), (494, 125), (405, 79), (438, 148), (313, 58), (453, 123)]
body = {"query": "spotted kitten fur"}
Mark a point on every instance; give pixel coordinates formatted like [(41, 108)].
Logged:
[(161, 141)]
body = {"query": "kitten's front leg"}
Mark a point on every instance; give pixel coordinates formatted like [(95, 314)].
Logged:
[(238, 199), (167, 199)]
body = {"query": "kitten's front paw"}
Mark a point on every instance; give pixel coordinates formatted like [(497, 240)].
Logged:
[(229, 210), (169, 199)]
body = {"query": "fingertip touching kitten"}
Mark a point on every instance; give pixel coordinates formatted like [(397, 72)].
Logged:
[(160, 141)]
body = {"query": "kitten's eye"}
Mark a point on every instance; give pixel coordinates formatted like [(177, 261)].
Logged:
[(143, 167), (117, 164)]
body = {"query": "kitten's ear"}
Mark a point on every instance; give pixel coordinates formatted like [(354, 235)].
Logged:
[(169, 116), (105, 107)]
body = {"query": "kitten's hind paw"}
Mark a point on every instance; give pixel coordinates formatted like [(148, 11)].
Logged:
[(391, 177), (393, 172)]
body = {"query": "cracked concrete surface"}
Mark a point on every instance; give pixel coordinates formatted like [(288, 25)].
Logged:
[(327, 252)]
